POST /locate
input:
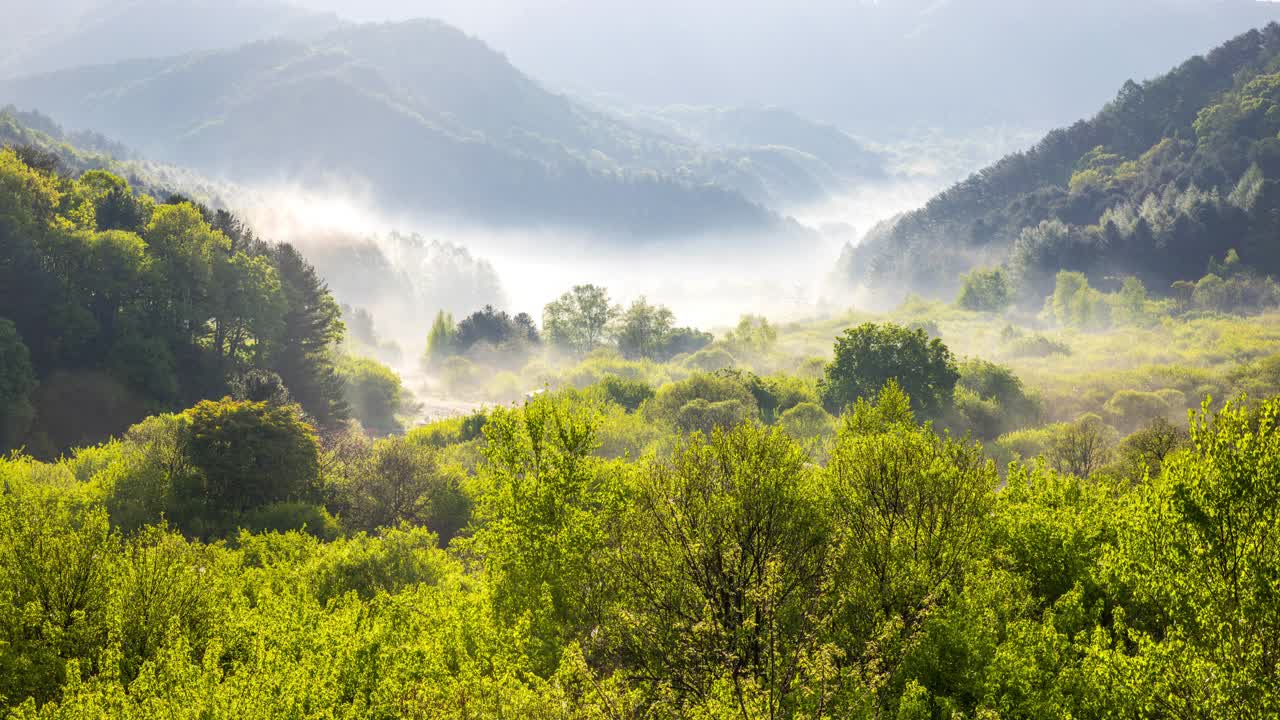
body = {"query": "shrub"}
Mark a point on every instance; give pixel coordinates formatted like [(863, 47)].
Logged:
[(629, 394), (985, 291), (1129, 409), (374, 393), (710, 360)]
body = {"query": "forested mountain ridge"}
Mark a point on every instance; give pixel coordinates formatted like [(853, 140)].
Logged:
[(60, 34), (433, 119), (874, 68), (1174, 172)]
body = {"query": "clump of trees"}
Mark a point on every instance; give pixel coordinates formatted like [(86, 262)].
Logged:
[(132, 306), (578, 323)]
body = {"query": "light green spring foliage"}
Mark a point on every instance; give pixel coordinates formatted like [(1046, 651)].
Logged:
[(727, 577), (374, 393), (440, 340), (985, 291)]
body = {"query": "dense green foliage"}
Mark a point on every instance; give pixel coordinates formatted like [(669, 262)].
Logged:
[(725, 576), (125, 306), (1173, 172), (870, 356)]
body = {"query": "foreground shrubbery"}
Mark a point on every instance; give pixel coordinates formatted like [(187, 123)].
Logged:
[(719, 576)]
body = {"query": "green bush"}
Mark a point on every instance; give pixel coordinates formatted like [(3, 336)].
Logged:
[(374, 393)]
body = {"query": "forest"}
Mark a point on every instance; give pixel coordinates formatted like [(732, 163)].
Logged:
[(957, 509), (1172, 172), (354, 476)]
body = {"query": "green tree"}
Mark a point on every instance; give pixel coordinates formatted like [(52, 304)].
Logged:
[(402, 481), (241, 456), (643, 330), (543, 524), (579, 320), (373, 392), (909, 506), (985, 291), (869, 356), (1196, 546), (752, 335), (17, 381), (722, 564), (303, 355), (441, 341)]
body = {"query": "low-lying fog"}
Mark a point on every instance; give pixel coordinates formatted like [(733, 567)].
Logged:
[(402, 269)]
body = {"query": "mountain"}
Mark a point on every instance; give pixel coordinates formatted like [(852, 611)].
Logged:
[(432, 120), (794, 159), (1173, 174), (60, 34), (870, 67)]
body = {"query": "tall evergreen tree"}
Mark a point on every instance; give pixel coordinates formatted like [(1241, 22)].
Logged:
[(312, 326)]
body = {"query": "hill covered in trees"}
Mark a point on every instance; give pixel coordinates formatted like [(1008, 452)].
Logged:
[(1172, 174), (436, 122), (44, 36), (874, 68), (115, 305)]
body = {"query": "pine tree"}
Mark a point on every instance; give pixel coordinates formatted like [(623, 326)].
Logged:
[(304, 356)]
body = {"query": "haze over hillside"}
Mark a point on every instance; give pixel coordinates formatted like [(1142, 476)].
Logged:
[(43, 36), (869, 67), (425, 117)]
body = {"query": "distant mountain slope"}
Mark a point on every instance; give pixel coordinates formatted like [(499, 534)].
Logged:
[(871, 67), (433, 120), (1172, 173), (56, 34)]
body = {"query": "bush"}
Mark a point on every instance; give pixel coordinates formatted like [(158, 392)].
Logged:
[(629, 394), (985, 291), (710, 360), (314, 520), (374, 393), (670, 400), (706, 417), (403, 481), (1130, 409), (807, 421)]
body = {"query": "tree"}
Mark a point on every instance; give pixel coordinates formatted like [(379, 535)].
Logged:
[(722, 563), (1082, 447), (441, 341), (373, 393), (985, 291), (643, 330), (303, 355), (17, 381), (909, 507), (403, 481), (753, 335), (869, 356), (544, 523), (495, 328), (242, 455), (578, 321), (1196, 547)]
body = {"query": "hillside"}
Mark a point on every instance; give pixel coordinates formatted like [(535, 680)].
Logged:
[(1173, 172), (874, 68), (60, 34), (433, 120)]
